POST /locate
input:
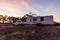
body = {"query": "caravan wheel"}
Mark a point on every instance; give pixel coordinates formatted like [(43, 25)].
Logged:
[(39, 24)]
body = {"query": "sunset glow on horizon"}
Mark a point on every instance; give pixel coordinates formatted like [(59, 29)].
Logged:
[(18, 8)]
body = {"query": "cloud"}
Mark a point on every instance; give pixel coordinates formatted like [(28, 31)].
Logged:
[(27, 6), (11, 5), (39, 6), (17, 3)]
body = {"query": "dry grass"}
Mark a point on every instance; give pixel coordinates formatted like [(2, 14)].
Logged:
[(29, 32)]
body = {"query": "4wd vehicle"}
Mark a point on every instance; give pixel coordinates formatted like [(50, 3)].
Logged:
[(18, 22)]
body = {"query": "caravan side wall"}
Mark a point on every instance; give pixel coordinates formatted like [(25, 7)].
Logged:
[(43, 20), (48, 20)]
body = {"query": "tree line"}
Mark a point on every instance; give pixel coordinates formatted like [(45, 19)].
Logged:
[(11, 19), (8, 19)]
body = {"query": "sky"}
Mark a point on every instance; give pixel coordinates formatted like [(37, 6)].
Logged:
[(19, 8)]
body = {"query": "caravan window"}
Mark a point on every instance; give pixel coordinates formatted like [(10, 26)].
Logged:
[(34, 19), (30, 19), (41, 18)]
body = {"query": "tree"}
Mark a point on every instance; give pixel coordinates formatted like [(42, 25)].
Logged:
[(10, 19), (27, 15), (14, 19), (24, 19), (4, 19)]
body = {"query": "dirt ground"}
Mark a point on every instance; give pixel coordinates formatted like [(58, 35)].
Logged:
[(29, 32)]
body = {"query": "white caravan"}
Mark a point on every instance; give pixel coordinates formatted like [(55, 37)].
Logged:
[(35, 20)]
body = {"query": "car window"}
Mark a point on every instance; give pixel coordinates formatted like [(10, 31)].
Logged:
[(18, 21)]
